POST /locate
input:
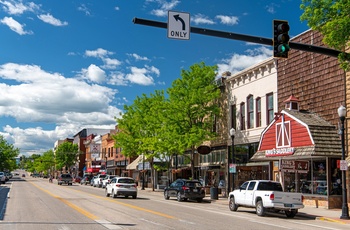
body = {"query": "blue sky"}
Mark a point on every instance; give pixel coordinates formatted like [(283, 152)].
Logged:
[(69, 65)]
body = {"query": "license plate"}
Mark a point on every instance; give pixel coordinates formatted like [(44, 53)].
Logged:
[(126, 186), (195, 190), (288, 205)]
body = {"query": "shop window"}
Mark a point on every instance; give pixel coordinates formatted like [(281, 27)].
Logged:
[(313, 181)]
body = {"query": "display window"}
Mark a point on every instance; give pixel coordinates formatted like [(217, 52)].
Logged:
[(314, 181)]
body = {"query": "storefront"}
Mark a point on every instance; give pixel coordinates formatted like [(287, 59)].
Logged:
[(304, 152)]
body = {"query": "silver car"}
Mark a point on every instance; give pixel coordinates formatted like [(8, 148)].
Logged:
[(107, 180), (2, 178), (124, 186)]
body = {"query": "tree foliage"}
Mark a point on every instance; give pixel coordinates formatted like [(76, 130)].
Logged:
[(331, 18), (193, 106), (8, 154), (162, 127), (66, 155)]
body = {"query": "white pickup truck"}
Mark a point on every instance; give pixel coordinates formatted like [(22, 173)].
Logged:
[(265, 195)]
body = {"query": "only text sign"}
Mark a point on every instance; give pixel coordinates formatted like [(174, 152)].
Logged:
[(178, 25)]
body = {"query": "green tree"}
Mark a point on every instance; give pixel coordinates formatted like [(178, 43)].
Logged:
[(331, 18), (66, 155), (193, 106), (8, 153), (47, 162)]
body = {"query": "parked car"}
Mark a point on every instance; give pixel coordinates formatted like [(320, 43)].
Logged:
[(184, 189), (77, 179), (107, 179), (65, 179), (92, 180), (86, 180), (98, 180), (2, 178), (124, 186), (265, 195)]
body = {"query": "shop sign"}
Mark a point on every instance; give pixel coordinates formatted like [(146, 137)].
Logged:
[(294, 166), (279, 152)]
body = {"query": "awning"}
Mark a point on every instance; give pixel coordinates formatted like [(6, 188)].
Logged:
[(133, 165), (93, 170)]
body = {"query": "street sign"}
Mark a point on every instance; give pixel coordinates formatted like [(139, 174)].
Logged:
[(343, 165), (178, 25), (232, 168)]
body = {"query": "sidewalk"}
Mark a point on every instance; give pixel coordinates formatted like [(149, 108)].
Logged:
[(322, 214)]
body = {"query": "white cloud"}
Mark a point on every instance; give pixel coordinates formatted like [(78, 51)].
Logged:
[(238, 62), (48, 18), (117, 78), (40, 96), (15, 26), (164, 7), (271, 8), (140, 76), (202, 19), (138, 57), (94, 74), (108, 63), (17, 8), (228, 20), (84, 9)]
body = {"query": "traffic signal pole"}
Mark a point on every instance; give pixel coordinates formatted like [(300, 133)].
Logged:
[(243, 37)]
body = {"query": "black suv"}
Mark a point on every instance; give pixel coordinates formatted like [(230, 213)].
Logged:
[(184, 189)]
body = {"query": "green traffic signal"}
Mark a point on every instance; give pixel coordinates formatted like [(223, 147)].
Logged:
[(280, 38)]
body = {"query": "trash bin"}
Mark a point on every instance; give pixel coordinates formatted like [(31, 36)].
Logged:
[(214, 193)]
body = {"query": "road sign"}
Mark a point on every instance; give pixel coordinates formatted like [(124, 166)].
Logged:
[(343, 165), (232, 168), (178, 25)]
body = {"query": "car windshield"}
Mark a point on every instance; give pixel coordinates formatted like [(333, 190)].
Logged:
[(126, 181), (193, 184)]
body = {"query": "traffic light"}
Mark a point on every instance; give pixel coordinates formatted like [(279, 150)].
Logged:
[(280, 39)]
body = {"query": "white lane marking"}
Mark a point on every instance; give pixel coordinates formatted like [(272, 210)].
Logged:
[(108, 224), (155, 223)]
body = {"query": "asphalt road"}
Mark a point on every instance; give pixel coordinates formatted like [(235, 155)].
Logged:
[(34, 203)]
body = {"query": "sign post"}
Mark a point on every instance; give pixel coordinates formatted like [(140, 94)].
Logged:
[(178, 25)]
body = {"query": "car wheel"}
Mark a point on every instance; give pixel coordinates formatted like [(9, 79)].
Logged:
[(178, 196), (113, 194), (134, 196), (166, 195), (291, 213), (232, 205), (260, 210), (199, 200), (107, 194)]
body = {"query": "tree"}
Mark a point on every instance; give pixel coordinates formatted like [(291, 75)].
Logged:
[(193, 107), (8, 153), (66, 155), (331, 18), (47, 162)]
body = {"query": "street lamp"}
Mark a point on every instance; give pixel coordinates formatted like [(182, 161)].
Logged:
[(345, 209), (232, 134), (143, 172)]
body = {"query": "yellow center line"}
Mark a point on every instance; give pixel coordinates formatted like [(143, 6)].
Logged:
[(90, 215), (80, 210)]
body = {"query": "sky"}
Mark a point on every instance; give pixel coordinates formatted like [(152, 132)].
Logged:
[(69, 65)]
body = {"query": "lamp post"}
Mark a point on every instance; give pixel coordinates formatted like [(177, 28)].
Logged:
[(345, 208), (232, 134), (143, 172)]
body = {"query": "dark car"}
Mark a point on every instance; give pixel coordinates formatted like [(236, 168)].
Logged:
[(86, 180), (184, 189), (65, 179)]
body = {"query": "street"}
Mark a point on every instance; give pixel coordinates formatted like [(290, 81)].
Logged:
[(34, 203)]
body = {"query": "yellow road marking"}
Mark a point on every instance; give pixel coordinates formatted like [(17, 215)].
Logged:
[(80, 210), (91, 216)]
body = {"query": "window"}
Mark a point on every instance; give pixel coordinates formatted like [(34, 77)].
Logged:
[(251, 185), (242, 116), (233, 116), (258, 112), (269, 106), (112, 152), (250, 112)]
